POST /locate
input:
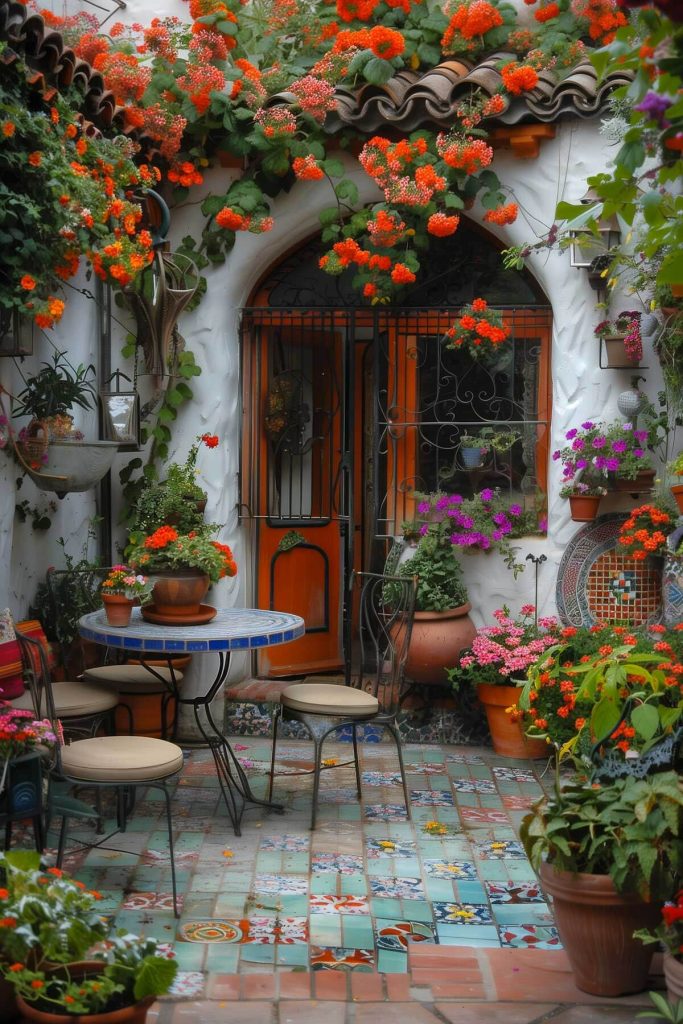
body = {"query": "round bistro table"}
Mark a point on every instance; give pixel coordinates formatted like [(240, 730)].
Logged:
[(232, 629)]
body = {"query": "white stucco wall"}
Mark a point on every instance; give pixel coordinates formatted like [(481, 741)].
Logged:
[(580, 388)]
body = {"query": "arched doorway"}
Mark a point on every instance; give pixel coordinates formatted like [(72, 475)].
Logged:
[(350, 409)]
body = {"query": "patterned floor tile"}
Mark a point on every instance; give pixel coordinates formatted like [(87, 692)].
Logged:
[(151, 901), (529, 936), (514, 892), (462, 913), (513, 802), (280, 884), (379, 849), (464, 759), (397, 888), (187, 985), (395, 935), (322, 904), (210, 931), (337, 863), (483, 816), (336, 958), (381, 778), (386, 812), (473, 786), (269, 930), (500, 849), (431, 798), (425, 768), (453, 870), (503, 773), (290, 843), (339, 795)]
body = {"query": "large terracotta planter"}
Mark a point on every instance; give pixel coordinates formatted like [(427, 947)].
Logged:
[(136, 1014), (436, 642), (583, 508), (596, 925), (8, 1002), (677, 491), (118, 609), (179, 593), (506, 734), (673, 975)]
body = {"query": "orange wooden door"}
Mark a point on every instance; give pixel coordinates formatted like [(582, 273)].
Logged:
[(300, 516)]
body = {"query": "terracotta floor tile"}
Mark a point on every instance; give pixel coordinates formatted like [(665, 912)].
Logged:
[(596, 1015), (258, 986), (312, 1012), (295, 985), (428, 976), (366, 987), (397, 986), (223, 1012), (494, 1013), (223, 986), (397, 1013), (458, 990), (526, 974), (331, 985)]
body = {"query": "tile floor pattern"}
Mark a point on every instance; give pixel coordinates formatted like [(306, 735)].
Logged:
[(362, 894)]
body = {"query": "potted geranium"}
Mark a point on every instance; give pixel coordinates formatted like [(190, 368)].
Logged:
[(497, 663), (669, 932), (183, 567), (50, 923), (120, 590), (622, 338), (479, 330), (594, 450), (584, 496), (609, 855), (643, 535)]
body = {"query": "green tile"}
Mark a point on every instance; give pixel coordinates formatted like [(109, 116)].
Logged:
[(357, 931), (353, 885), (221, 957), (190, 955), (293, 956), (256, 953), (416, 910), (325, 929), (390, 961), (386, 908)]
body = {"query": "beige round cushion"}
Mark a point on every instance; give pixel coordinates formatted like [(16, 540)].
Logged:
[(74, 700), (132, 678), (329, 699), (123, 759)]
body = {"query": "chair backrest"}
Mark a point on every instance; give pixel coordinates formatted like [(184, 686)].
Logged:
[(379, 621), (77, 590), (37, 678)]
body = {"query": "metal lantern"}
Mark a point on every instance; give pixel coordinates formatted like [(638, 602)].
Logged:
[(586, 246), (120, 413)]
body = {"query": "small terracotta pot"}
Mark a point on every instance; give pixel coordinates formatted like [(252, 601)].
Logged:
[(118, 609), (136, 1014), (583, 508), (436, 641), (677, 491), (596, 925), (507, 735), (179, 592), (673, 975)]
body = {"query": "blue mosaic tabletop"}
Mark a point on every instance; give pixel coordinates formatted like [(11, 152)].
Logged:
[(233, 629)]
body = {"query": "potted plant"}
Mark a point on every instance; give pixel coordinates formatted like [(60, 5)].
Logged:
[(53, 391), (183, 567), (609, 855), (473, 450), (669, 932), (479, 330), (643, 535), (676, 468), (178, 500), (498, 658), (594, 450), (441, 623), (584, 496), (622, 339), (120, 590), (50, 923)]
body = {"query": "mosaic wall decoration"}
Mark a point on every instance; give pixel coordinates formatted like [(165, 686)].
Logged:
[(597, 583)]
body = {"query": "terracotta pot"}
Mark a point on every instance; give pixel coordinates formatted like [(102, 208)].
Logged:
[(583, 508), (677, 491), (673, 975), (677, 290), (596, 925), (616, 353), (507, 735), (117, 608), (179, 592), (199, 505), (136, 1014), (644, 481), (8, 1002), (436, 642)]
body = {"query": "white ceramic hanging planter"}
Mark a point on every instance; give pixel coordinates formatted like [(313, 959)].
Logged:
[(74, 465)]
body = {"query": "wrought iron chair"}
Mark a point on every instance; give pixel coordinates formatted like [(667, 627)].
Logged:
[(81, 588), (121, 763), (375, 660)]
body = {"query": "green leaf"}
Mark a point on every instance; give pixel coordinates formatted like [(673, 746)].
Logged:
[(645, 720), (154, 976), (212, 205), (604, 718), (378, 71)]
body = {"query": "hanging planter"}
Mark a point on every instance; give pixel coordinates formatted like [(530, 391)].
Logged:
[(643, 481), (73, 465), (616, 354), (583, 508)]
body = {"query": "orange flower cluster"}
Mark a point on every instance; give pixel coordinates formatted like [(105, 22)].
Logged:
[(463, 152), (229, 563), (184, 173), (356, 10), (220, 13), (478, 329), (306, 168), (50, 313), (162, 537), (441, 225), (547, 13), (386, 229), (641, 535), (232, 220), (519, 78), (384, 42), (401, 274), (502, 214), (602, 16), (468, 24)]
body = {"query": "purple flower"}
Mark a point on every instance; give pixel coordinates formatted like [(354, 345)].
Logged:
[(587, 425), (654, 105), (638, 452), (578, 445), (619, 446), (601, 462), (543, 524), (557, 455), (515, 510), (486, 494), (640, 435), (424, 507), (581, 463), (466, 521), (611, 465), (599, 441), (499, 518), (571, 433), (627, 426)]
